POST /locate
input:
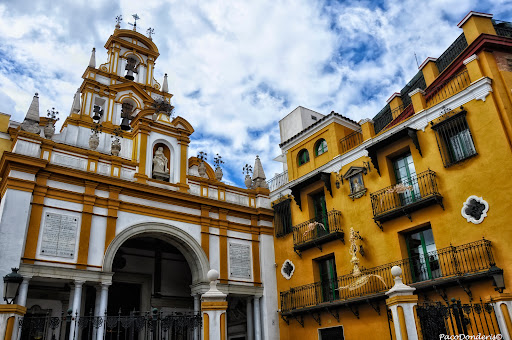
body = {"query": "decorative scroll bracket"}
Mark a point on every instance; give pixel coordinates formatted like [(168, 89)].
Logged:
[(316, 317), (466, 289), (354, 310), (375, 307), (334, 313)]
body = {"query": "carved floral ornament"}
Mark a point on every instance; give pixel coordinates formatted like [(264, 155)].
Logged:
[(475, 209), (287, 269)]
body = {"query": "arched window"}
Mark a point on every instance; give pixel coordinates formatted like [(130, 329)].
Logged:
[(321, 147), (303, 156)]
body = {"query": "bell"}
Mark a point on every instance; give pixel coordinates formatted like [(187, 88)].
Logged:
[(98, 112), (125, 124)]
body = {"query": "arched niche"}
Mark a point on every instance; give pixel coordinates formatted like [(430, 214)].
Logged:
[(160, 173), (169, 153), (184, 242)]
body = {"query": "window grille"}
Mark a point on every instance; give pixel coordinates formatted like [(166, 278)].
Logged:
[(454, 138), (282, 218)]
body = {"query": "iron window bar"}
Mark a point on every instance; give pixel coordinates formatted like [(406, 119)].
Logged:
[(282, 217), (454, 139)]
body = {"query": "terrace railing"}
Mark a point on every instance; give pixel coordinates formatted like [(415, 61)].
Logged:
[(405, 196), (278, 181), (452, 52), (142, 326), (448, 88), (503, 28), (318, 230), (449, 262), (351, 141)]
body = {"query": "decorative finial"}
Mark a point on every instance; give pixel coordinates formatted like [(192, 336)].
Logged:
[(92, 61), (31, 121), (259, 175), (75, 108), (150, 31), (165, 86), (135, 18), (119, 18)]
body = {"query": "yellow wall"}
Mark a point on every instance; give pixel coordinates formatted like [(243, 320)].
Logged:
[(486, 175)]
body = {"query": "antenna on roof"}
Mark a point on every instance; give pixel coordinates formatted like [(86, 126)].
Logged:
[(415, 57)]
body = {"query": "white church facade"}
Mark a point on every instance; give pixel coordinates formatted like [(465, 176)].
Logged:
[(114, 226)]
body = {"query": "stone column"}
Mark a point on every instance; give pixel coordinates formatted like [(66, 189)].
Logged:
[(503, 309), (257, 318), (21, 301), (250, 319), (103, 309), (75, 309), (97, 311), (197, 311), (401, 302), (9, 314), (214, 306)]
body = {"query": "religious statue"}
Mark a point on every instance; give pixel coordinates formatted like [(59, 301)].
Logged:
[(130, 67), (160, 167)]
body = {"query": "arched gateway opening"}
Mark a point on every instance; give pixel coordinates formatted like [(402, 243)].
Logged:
[(154, 267)]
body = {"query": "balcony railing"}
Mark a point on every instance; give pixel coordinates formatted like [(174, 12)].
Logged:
[(448, 88), (472, 259), (351, 141), (404, 197), (278, 181), (317, 231)]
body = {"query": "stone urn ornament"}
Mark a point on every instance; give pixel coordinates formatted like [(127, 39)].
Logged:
[(94, 139), (247, 170), (115, 147), (218, 170), (201, 168), (49, 129)]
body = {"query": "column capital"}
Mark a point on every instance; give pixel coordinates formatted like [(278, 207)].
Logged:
[(78, 283)]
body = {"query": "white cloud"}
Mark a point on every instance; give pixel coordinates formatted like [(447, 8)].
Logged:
[(249, 63)]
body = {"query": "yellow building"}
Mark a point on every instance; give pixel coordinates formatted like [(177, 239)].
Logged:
[(424, 186), (118, 232)]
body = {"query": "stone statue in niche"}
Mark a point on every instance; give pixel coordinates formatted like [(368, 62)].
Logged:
[(355, 178), (160, 168), (130, 67)]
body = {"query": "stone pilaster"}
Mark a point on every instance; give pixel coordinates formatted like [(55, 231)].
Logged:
[(213, 307)]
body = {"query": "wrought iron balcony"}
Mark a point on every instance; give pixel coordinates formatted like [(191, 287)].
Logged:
[(319, 230), (278, 181), (403, 198), (441, 267), (351, 141)]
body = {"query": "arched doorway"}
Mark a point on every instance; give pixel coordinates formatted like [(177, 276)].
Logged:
[(154, 266)]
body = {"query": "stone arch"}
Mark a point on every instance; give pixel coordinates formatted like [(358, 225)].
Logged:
[(184, 242)]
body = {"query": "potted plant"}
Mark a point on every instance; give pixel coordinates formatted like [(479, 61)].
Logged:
[(94, 139), (202, 167), (115, 147), (218, 170), (247, 170)]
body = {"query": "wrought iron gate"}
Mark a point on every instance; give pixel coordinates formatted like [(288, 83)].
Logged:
[(456, 318), (137, 326)]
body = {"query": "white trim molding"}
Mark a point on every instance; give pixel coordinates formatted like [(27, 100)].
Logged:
[(466, 206), (470, 59)]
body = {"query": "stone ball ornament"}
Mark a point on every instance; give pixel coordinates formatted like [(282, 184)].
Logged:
[(212, 275), (475, 209), (396, 271)]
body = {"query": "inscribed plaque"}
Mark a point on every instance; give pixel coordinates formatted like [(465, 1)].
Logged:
[(240, 260), (59, 235)]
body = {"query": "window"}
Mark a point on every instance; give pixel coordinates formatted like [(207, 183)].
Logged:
[(423, 256), (332, 333), (303, 156), (320, 210), (406, 174), (328, 279), (454, 138), (321, 147), (282, 218)]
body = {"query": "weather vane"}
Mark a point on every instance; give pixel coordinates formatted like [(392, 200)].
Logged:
[(150, 31), (119, 18), (135, 18)]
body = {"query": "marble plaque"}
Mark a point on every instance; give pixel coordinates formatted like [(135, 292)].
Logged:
[(59, 235), (240, 261)]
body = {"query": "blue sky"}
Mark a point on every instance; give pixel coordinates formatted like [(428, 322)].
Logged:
[(235, 67)]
